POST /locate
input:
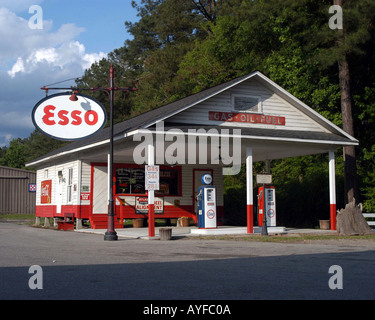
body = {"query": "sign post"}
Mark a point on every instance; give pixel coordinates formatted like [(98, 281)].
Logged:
[(151, 184), (46, 117)]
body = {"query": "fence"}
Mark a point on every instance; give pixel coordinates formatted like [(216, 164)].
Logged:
[(17, 191), (371, 223)]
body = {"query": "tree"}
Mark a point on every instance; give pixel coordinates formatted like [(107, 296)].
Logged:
[(21, 151), (15, 155)]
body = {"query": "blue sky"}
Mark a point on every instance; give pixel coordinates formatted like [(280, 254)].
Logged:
[(74, 35)]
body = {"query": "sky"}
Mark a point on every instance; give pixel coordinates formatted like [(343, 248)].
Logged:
[(47, 44)]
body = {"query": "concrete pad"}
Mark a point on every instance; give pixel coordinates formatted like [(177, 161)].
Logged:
[(236, 230), (142, 233)]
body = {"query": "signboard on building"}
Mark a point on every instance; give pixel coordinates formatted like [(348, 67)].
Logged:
[(141, 205), (32, 187), (46, 191), (61, 118), (246, 118)]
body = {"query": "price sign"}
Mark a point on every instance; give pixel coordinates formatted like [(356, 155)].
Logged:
[(152, 177), (264, 178)]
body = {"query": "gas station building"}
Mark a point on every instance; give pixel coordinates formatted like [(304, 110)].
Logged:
[(252, 116)]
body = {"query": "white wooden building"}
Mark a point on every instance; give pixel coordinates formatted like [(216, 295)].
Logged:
[(274, 124)]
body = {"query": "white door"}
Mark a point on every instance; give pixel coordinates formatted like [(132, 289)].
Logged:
[(59, 195), (100, 190)]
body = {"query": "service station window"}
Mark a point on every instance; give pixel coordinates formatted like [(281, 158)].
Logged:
[(245, 103), (70, 185), (132, 181)]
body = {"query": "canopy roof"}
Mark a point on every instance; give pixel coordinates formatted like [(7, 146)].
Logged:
[(268, 142)]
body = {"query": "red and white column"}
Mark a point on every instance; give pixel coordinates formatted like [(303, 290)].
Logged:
[(151, 194), (332, 189), (249, 189)]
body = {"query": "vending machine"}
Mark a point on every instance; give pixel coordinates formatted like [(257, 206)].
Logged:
[(267, 205), (207, 214)]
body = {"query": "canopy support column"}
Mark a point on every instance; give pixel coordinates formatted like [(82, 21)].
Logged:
[(249, 189), (332, 189)]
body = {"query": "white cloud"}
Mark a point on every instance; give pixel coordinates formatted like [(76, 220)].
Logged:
[(62, 57), (31, 58), (17, 67)]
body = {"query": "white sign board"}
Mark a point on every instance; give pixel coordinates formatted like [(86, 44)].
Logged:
[(152, 177), (264, 178), (60, 118)]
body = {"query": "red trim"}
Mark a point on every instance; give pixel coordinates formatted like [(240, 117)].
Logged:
[(122, 212), (82, 212), (333, 215), (250, 228), (45, 211), (151, 220)]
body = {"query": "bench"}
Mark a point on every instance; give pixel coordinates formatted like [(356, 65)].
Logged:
[(369, 215), (66, 224)]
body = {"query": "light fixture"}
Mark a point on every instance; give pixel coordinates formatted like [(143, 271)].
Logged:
[(73, 97)]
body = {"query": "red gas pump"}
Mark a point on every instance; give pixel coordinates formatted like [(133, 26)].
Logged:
[(267, 204)]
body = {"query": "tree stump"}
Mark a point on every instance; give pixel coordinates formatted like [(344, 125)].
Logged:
[(350, 221), (165, 233)]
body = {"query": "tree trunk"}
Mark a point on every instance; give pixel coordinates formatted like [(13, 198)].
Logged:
[(350, 221), (350, 169)]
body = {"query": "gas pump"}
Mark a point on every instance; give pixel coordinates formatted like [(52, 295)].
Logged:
[(267, 205), (207, 204)]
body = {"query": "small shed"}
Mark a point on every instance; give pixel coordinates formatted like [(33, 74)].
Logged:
[(17, 191)]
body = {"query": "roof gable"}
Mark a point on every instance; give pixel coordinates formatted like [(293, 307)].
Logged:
[(307, 118), (172, 111)]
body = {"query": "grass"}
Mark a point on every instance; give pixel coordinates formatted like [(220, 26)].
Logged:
[(8, 217)]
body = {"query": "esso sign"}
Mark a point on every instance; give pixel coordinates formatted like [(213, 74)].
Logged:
[(63, 119), (206, 179)]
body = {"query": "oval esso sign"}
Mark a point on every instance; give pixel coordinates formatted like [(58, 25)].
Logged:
[(63, 119), (206, 178)]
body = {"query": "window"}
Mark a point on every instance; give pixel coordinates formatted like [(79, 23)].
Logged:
[(244, 103), (132, 181), (169, 179), (70, 185)]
